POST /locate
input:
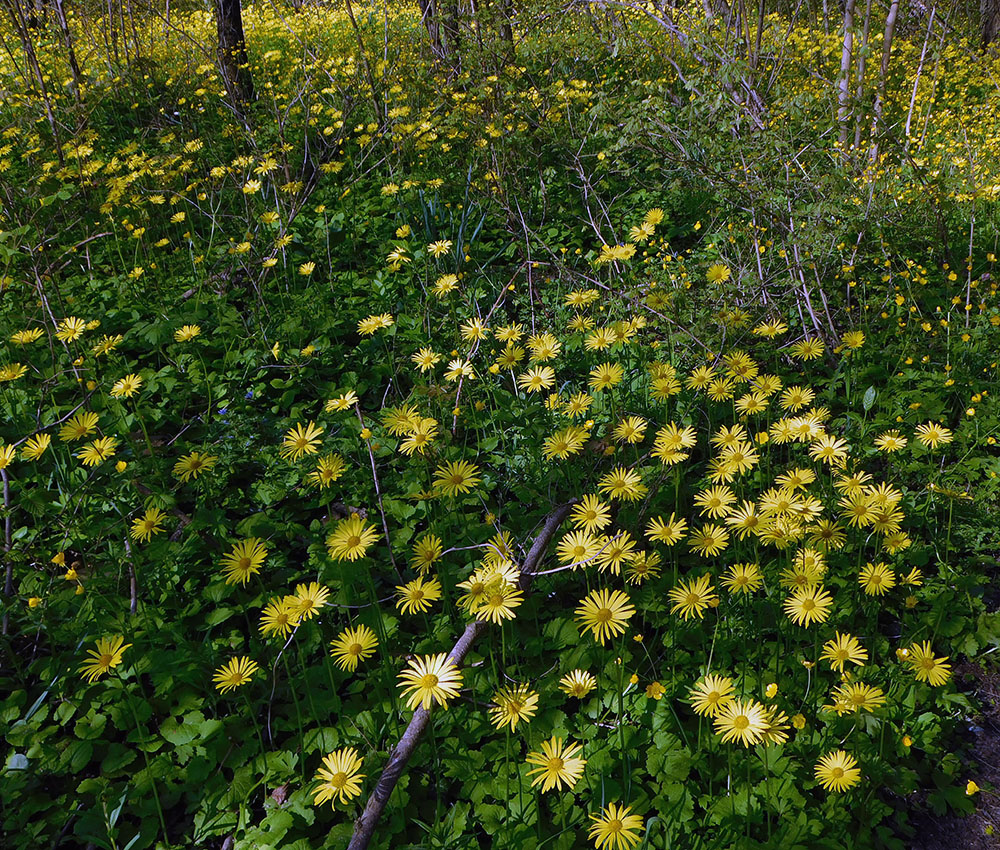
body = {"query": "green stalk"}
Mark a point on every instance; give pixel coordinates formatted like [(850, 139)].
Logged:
[(298, 717)]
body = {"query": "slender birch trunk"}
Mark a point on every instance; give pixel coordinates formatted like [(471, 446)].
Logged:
[(844, 83), (879, 105)]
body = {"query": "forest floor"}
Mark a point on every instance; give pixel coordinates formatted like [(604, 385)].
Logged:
[(981, 829)]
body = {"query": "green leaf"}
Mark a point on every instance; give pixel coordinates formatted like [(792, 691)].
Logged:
[(118, 757), (91, 726)]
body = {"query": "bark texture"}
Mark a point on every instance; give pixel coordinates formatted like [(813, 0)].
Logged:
[(991, 21), (233, 60)]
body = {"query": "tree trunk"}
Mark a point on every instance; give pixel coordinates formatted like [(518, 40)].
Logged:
[(890, 29), (233, 61), (759, 35), (70, 50), (376, 98), (844, 83), (860, 91), (452, 36), (991, 21), (441, 18), (429, 15), (21, 24), (506, 27)]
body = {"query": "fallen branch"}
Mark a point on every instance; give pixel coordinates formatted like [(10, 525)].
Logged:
[(364, 828), (133, 582)]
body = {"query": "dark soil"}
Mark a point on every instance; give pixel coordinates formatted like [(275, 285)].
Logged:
[(981, 829)]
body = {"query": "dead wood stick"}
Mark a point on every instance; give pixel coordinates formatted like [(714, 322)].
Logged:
[(364, 827)]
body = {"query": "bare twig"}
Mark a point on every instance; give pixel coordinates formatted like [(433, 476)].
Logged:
[(39, 428), (378, 494), (8, 579), (916, 77), (133, 589)]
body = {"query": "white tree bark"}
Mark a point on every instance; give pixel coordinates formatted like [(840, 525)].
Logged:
[(844, 83)]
